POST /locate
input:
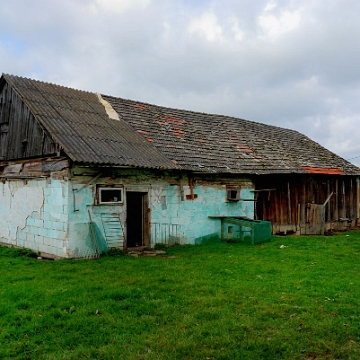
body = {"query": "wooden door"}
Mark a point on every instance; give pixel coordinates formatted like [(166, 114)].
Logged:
[(315, 219)]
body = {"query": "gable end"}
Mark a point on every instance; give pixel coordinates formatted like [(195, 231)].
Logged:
[(21, 134)]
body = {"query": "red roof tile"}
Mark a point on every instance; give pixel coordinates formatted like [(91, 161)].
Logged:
[(325, 171), (143, 107), (173, 120)]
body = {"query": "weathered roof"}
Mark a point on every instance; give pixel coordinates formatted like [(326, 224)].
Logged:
[(159, 137), (79, 123), (217, 143)]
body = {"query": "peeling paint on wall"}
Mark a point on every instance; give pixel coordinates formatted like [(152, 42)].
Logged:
[(172, 218), (62, 217), (33, 214), (17, 205), (188, 221)]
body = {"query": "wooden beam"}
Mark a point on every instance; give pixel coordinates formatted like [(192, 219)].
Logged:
[(261, 190), (191, 185), (337, 200), (289, 202), (329, 205), (328, 198), (182, 197), (357, 200), (343, 202)]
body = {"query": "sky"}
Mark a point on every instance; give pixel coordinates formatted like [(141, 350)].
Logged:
[(288, 63)]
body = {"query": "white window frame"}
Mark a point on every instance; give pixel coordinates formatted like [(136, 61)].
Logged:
[(104, 188)]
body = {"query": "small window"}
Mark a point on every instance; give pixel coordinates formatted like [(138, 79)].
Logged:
[(233, 194), (110, 195)]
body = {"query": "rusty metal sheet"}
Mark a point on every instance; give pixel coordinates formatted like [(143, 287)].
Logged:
[(325, 171)]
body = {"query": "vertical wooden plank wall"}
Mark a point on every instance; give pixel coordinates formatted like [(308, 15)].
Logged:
[(289, 210), (21, 135)]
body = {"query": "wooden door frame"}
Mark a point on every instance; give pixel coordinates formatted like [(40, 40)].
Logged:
[(145, 233)]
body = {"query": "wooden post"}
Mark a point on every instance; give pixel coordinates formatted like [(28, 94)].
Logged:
[(280, 222), (343, 211), (357, 201), (328, 204), (337, 200), (303, 205), (275, 209), (182, 197), (191, 188), (289, 202), (351, 201)]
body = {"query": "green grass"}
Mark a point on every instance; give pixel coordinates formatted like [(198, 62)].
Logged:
[(227, 301)]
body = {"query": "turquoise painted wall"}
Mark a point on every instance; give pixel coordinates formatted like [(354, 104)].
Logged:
[(85, 237), (172, 220), (34, 214), (52, 215), (188, 221)]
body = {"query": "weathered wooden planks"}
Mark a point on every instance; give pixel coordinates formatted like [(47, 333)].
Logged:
[(21, 135), (293, 207)]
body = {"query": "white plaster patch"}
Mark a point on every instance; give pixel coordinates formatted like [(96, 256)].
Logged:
[(17, 203)]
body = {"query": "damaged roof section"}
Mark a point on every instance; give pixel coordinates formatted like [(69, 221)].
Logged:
[(217, 144), (106, 130)]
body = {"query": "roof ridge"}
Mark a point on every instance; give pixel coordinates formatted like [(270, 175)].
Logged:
[(12, 77), (229, 117), (197, 112)]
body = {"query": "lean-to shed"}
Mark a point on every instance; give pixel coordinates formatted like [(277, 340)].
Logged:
[(81, 172)]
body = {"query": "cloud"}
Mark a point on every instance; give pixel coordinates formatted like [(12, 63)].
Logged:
[(117, 7), (286, 63), (274, 26), (206, 26)]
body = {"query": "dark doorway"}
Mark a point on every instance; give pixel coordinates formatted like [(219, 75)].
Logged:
[(136, 219)]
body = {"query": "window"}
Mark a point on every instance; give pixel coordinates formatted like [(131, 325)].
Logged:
[(110, 195), (232, 194)]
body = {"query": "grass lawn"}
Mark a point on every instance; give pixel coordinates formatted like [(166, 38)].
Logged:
[(227, 301)]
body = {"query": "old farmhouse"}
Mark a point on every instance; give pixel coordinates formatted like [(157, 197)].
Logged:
[(81, 172)]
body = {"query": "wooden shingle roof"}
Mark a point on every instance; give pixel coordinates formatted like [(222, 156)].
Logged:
[(158, 137)]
